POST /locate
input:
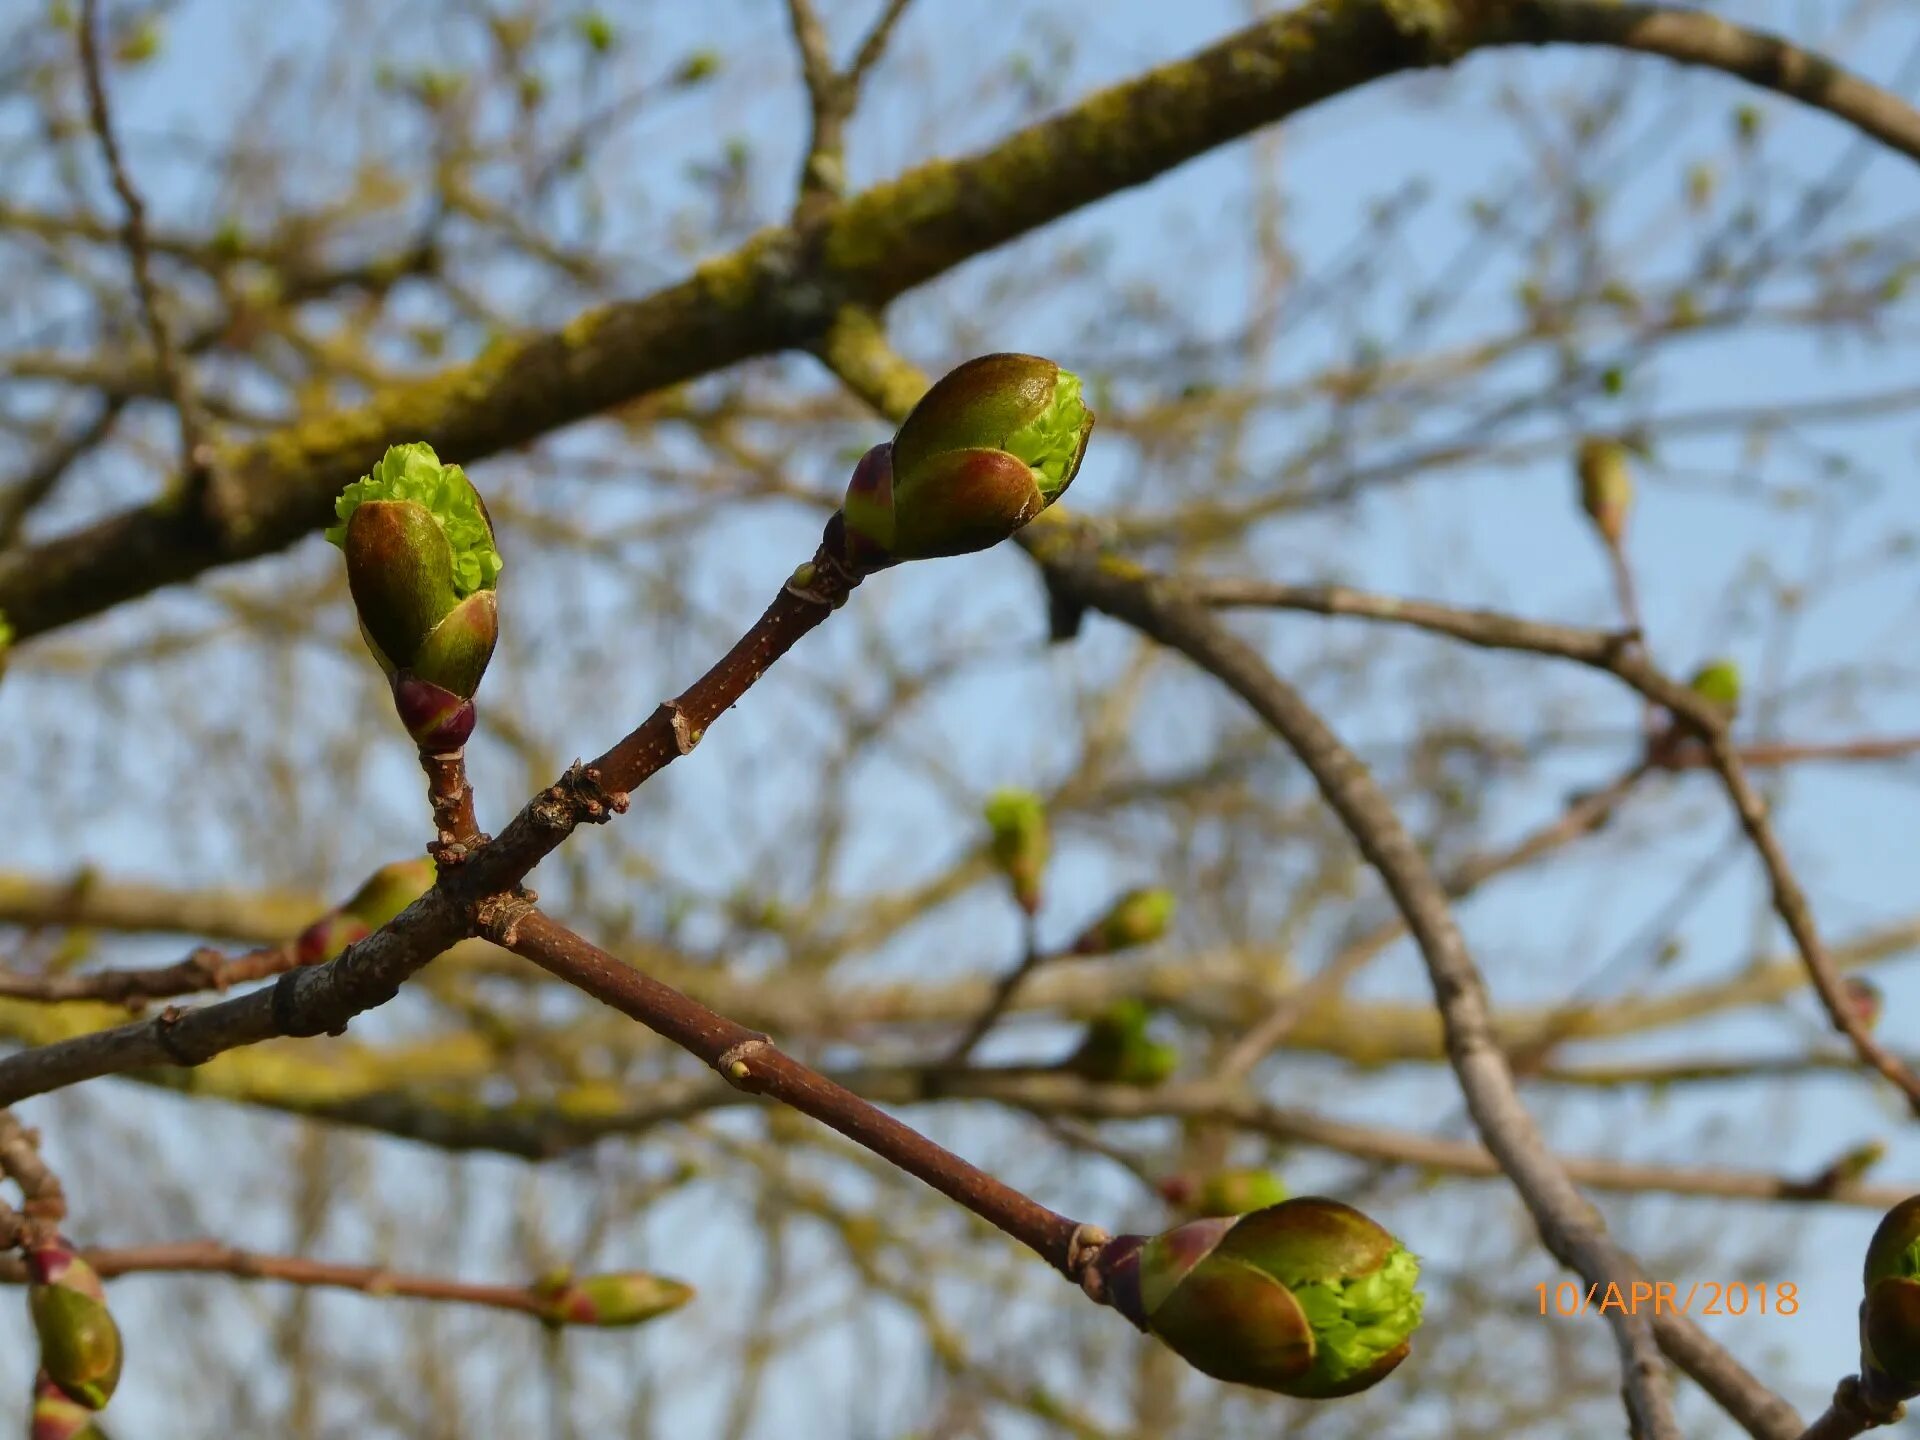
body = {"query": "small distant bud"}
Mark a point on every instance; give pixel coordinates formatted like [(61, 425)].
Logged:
[(1118, 1050), (991, 444), (422, 567), (1864, 999), (1890, 1315), (610, 1301), (79, 1342), (389, 890), (1308, 1298), (1606, 486), (1137, 918), (1224, 1192), (57, 1415), (1020, 842), (597, 30), (698, 66), (1718, 683)]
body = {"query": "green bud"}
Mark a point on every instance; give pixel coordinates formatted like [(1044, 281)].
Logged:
[(6, 641), (989, 446), (1117, 1049), (389, 890), (597, 30), (1020, 842), (1606, 486), (422, 567), (1718, 683), (1308, 1298), (1224, 1192), (1890, 1315), (57, 1415), (624, 1298), (700, 65), (1137, 918), (79, 1343), (140, 43)]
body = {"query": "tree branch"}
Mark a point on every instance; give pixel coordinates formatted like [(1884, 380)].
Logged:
[(783, 289)]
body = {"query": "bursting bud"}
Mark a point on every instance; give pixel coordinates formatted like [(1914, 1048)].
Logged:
[(1020, 843), (422, 567), (990, 445), (1224, 1192), (1117, 1050), (629, 1297), (1606, 487), (57, 1415), (79, 1343), (1890, 1315), (1718, 683), (1138, 917), (1307, 1298)]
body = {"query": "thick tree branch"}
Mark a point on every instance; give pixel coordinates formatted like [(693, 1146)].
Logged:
[(785, 287)]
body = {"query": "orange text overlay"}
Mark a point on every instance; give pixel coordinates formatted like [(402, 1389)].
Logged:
[(1664, 1297)]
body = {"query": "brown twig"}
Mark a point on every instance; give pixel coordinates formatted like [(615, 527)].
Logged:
[(1032, 957), (750, 1061), (210, 1257), (321, 999), (1628, 661), (832, 95), (1583, 815), (1567, 1222), (1689, 755), (20, 1161), (456, 832), (204, 969), (134, 236)]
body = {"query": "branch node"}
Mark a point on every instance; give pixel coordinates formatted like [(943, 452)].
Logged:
[(732, 1062), (168, 1039), (498, 917)]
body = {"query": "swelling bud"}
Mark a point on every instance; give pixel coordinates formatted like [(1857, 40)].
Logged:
[(1118, 1050), (1606, 486), (990, 445), (1019, 842), (613, 1301), (1890, 1313), (1308, 1298), (1137, 918), (1718, 683), (79, 1342), (57, 1415), (1224, 1192)]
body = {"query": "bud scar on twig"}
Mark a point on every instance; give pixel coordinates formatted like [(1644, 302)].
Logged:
[(498, 916), (1083, 1254)]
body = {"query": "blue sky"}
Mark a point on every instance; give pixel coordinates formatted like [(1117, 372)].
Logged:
[(1486, 535)]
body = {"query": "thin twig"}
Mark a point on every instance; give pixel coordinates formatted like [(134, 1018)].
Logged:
[(134, 235), (322, 999), (1032, 957), (751, 1062), (211, 1257)]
